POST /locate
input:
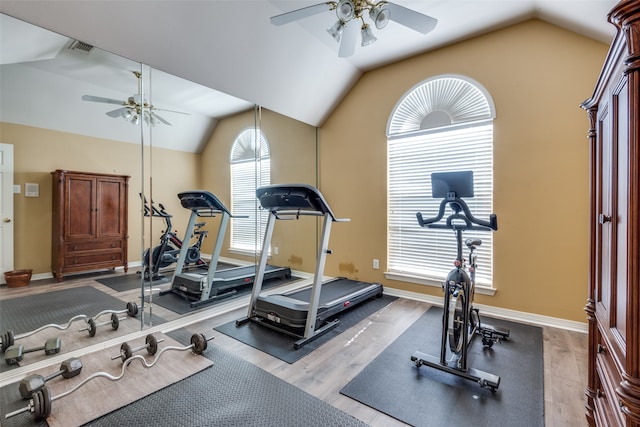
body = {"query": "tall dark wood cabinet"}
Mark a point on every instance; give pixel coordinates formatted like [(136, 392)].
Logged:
[(89, 230), (613, 306)]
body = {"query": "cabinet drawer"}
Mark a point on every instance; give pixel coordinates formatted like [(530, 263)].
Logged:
[(607, 401), (92, 245), (115, 258)]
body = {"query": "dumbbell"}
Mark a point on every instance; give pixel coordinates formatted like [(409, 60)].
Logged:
[(34, 383), (151, 344), (7, 340), (41, 402), (15, 353), (92, 326)]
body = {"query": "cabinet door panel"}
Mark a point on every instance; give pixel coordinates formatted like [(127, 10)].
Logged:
[(604, 267), (621, 202), (79, 207), (109, 211)]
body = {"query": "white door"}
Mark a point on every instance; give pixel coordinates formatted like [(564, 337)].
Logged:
[(6, 209)]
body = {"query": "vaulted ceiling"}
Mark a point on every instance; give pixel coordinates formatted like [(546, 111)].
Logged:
[(228, 56)]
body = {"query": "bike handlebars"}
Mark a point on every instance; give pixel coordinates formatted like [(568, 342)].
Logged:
[(470, 221)]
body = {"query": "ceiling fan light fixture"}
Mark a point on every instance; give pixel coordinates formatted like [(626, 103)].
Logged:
[(380, 15), (336, 30), (345, 10), (367, 35)]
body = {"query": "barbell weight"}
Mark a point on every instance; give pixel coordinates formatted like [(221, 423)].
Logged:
[(41, 402), (151, 344), (92, 326), (8, 340), (34, 383)]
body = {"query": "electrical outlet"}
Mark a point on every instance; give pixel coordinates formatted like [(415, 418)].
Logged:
[(376, 264), (275, 250)]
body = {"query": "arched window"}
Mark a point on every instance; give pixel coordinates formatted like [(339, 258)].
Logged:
[(443, 124), (250, 169)]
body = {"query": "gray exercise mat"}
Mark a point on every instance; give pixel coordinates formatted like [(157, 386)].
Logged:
[(425, 396), (25, 314)]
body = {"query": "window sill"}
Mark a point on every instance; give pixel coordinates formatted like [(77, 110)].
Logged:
[(422, 280), (246, 252)]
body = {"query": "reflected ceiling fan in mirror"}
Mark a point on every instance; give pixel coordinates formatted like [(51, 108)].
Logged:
[(344, 32), (134, 108)]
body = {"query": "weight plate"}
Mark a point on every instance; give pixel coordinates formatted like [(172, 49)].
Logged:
[(5, 341), (199, 343), (92, 327), (125, 351), (152, 344), (46, 402), (115, 322), (10, 338), (132, 309), (38, 407)]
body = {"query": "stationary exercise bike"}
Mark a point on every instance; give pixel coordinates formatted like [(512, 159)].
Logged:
[(460, 321), (167, 252)]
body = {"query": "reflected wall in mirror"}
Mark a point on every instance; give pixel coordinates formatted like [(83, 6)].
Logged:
[(292, 159), (50, 126)]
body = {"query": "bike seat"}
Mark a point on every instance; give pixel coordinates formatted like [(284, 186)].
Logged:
[(472, 242)]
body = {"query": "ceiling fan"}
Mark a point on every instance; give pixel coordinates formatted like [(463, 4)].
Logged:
[(380, 12), (134, 108)]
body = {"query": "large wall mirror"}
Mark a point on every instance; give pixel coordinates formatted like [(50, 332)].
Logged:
[(56, 98)]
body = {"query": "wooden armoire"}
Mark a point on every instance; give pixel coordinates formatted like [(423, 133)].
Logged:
[(613, 306), (89, 230)]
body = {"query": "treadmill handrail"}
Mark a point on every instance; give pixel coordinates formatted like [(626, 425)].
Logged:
[(279, 214), (294, 200)]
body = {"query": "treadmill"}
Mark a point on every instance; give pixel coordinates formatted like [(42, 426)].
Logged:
[(305, 313), (201, 288)]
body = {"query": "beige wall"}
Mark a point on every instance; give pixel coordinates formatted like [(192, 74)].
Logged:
[(537, 75), (293, 160), (38, 152)]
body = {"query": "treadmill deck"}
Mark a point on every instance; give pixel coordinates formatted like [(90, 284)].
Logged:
[(291, 309)]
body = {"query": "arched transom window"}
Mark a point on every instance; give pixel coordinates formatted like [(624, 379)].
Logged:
[(443, 124), (250, 169)]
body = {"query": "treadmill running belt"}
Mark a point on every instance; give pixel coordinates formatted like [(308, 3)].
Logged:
[(331, 291), (291, 309)]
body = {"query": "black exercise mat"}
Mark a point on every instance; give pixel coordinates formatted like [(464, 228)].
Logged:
[(280, 345), (127, 282), (232, 392), (181, 305), (28, 313), (425, 396)]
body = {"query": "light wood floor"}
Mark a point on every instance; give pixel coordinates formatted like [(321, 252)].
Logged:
[(325, 371)]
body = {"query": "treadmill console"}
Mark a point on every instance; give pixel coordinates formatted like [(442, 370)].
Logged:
[(293, 197), (201, 200)]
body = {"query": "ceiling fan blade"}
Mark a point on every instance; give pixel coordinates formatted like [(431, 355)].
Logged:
[(294, 15), (410, 18), (117, 113), (348, 39), (170, 111), (100, 99), (155, 116)]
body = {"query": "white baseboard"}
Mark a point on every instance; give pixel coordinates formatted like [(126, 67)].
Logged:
[(501, 313)]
